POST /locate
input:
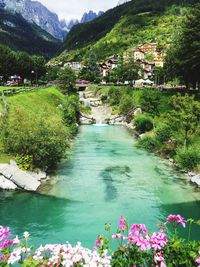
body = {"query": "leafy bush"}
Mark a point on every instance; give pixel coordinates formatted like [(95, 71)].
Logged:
[(184, 117), (187, 159), (163, 133), (38, 135), (71, 113), (24, 162), (104, 98), (147, 142), (97, 80), (86, 109), (150, 101), (67, 80), (143, 124), (126, 104), (178, 253), (115, 94)]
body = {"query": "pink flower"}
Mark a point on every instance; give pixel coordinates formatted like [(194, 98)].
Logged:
[(4, 232), (198, 260), (176, 219), (159, 258), (5, 244), (122, 223), (97, 242), (158, 240), (139, 227)]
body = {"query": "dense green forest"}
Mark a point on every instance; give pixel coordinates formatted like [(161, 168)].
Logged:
[(124, 27), (20, 63), (20, 35)]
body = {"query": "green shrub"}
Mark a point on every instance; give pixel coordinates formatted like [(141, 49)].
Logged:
[(143, 123), (126, 104), (148, 143), (86, 109), (150, 101), (115, 93), (104, 98), (97, 80), (24, 162), (112, 102), (71, 113), (187, 158), (41, 136), (163, 133)]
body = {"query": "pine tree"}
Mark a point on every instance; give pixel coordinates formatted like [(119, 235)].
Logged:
[(93, 67)]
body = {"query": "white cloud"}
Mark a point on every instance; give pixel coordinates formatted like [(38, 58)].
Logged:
[(75, 8)]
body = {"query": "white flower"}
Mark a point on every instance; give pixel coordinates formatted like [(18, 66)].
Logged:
[(16, 241), (26, 235)]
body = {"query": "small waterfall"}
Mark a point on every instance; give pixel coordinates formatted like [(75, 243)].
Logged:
[(86, 102), (80, 95), (100, 122)]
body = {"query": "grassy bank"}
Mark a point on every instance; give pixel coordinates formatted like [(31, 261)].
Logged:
[(34, 131)]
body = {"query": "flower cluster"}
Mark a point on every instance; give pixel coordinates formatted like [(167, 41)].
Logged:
[(175, 219), (6, 245), (13, 251), (138, 235), (62, 255), (4, 233)]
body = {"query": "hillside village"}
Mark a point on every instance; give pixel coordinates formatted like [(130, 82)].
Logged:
[(148, 56)]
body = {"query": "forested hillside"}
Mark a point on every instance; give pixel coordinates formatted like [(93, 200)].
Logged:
[(20, 35), (123, 27)]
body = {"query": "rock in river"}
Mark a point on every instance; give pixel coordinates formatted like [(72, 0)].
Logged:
[(18, 177)]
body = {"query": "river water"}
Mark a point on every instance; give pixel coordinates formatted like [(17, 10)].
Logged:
[(105, 177)]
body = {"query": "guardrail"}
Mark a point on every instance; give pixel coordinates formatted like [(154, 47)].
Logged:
[(15, 91), (5, 102)]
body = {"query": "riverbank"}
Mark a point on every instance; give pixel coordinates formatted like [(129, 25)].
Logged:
[(36, 134), (103, 114)]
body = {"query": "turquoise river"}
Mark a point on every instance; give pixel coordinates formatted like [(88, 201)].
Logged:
[(106, 176)]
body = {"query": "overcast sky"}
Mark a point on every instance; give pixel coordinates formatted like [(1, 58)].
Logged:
[(69, 9)]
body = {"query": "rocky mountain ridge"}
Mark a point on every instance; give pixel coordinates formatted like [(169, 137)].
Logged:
[(21, 35), (35, 12), (90, 16), (87, 17)]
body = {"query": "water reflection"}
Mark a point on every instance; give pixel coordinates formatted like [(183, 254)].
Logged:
[(33, 212), (185, 209)]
